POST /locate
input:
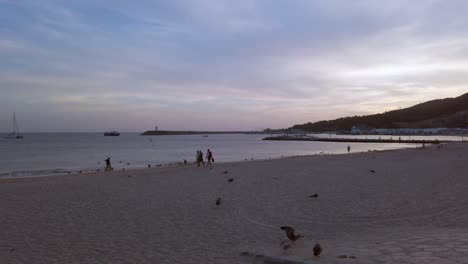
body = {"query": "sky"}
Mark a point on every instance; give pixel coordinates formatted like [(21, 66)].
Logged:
[(97, 65)]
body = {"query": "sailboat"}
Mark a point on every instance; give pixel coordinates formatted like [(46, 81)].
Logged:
[(15, 134)]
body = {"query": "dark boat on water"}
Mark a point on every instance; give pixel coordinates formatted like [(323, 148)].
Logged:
[(112, 134)]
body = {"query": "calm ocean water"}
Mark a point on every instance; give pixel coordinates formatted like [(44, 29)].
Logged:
[(49, 153)]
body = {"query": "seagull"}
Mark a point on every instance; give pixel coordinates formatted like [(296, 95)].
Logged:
[(317, 249), (225, 172), (373, 171), (231, 180), (314, 195), (218, 201), (290, 233)]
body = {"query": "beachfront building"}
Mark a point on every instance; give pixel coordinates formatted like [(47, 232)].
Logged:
[(356, 131), (296, 132), (408, 131)]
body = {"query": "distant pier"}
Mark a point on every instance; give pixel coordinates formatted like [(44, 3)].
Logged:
[(169, 132), (352, 140)]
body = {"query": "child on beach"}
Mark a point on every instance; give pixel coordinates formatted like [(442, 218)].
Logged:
[(209, 157), (108, 165)]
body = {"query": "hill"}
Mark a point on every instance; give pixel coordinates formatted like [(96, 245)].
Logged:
[(448, 112)]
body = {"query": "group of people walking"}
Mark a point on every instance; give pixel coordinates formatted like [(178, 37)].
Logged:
[(209, 158), (199, 158)]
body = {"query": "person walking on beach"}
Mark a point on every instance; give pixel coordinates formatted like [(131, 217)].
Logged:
[(197, 158), (349, 149), (108, 165), (209, 157), (200, 158)]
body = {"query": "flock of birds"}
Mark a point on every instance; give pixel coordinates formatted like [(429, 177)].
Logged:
[(290, 232), (292, 237)]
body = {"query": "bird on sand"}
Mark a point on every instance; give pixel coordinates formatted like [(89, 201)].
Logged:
[(231, 180), (290, 233), (225, 172), (373, 171), (317, 249), (218, 201), (314, 195)]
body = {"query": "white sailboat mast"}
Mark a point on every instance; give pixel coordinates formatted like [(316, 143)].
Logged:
[(14, 123)]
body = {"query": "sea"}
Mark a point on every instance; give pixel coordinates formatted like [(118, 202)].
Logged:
[(40, 154)]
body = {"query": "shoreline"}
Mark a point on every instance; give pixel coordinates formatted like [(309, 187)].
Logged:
[(65, 172)]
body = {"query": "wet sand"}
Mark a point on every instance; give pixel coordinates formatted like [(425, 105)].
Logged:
[(412, 209)]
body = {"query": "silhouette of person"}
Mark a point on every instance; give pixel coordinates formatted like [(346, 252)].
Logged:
[(200, 158), (349, 148), (108, 165), (209, 157)]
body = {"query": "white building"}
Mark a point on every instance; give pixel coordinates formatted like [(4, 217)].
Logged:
[(356, 131)]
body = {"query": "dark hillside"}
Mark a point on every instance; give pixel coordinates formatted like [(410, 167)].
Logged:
[(448, 112)]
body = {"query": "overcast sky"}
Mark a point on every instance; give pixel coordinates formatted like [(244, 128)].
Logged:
[(96, 65)]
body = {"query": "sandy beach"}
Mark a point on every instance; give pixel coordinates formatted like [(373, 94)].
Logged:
[(412, 209)]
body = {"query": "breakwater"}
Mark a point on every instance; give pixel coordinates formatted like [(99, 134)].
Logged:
[(353, 140)]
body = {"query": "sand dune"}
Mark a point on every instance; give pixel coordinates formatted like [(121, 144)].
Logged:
[(413, 209)]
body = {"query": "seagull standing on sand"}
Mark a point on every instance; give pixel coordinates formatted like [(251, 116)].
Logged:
[(317, 249), (290, 233)]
